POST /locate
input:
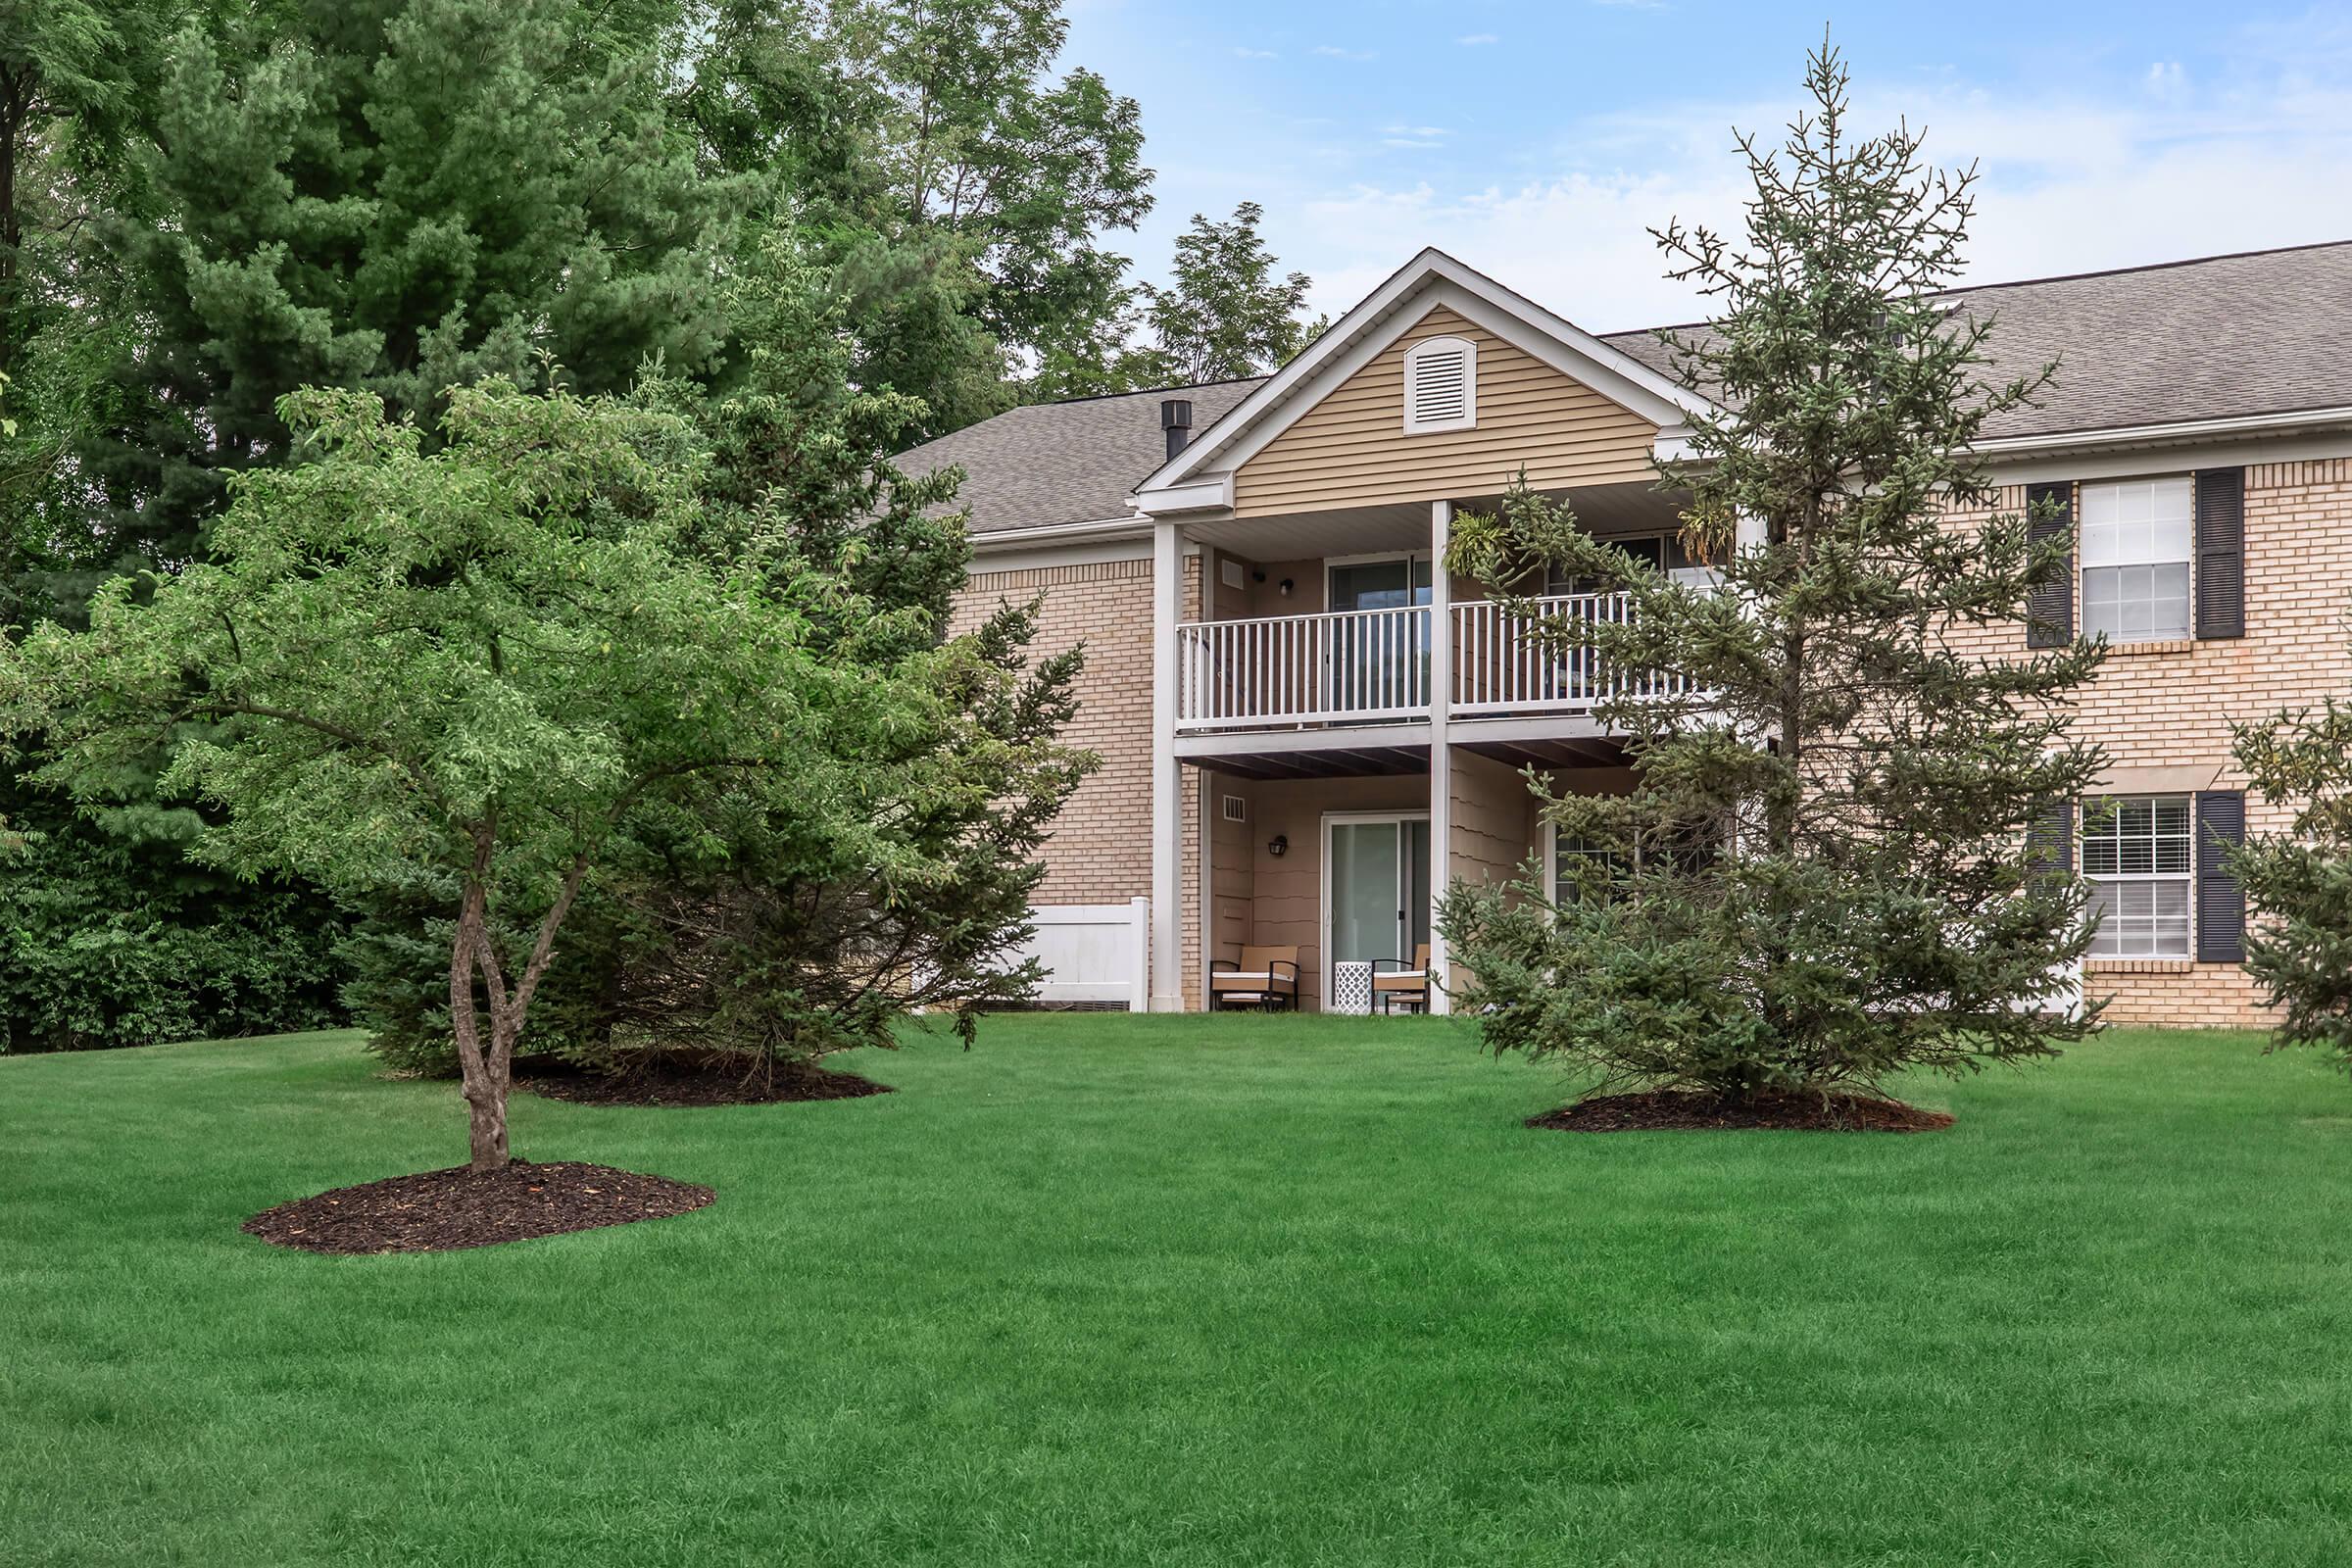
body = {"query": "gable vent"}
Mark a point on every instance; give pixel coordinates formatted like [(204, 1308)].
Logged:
[(1440, 385)]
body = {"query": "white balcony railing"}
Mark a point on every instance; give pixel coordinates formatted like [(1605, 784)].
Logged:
[(1357, 666), (1501, 666), (1372, 665)]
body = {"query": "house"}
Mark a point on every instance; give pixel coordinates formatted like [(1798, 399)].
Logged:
[(1306, 727)]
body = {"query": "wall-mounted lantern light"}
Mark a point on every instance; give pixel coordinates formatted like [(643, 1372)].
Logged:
[(1278, 846)]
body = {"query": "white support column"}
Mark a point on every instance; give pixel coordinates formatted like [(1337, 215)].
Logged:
[(1749, 532), (1440, 754), (1167, 813)]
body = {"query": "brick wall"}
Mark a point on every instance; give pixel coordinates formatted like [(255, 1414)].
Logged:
[(1101, 850), (2173, 703)]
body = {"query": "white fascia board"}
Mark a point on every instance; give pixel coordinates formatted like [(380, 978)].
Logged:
[(1574, 352), (2180, 433), (1051, 533), (1673, 445), (1356, 338), (1047, 556), (1209, 493)]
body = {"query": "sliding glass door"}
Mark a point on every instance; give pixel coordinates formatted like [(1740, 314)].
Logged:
[(1378, 899), (1377, 659)]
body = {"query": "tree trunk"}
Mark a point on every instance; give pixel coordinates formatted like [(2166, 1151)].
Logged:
[(487, 1126), (486, 1081)]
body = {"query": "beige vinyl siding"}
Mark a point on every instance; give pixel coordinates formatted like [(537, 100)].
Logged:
[(1493, 820), (1350, 449)]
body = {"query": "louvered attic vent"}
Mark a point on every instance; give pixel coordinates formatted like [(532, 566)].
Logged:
[(1440, 385)]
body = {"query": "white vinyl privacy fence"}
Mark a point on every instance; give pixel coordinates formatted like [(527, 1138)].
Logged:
[(1093, 953)]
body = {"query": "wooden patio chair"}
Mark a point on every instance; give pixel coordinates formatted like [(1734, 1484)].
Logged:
[(1265, 978), (1398, 986)]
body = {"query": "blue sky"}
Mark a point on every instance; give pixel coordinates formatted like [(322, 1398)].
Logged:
[(1537, 141)]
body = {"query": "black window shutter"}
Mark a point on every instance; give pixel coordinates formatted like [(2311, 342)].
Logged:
[(2220, 897), (2050, 840), (2050, 608), (2222, 552)]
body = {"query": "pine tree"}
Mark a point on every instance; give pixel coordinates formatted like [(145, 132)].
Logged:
[(399, 196), (2299, 880), (1822, 875)]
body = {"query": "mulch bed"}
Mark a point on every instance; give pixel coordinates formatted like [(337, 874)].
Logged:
[(440, 1210), (687, 1078), (1685, 1110)]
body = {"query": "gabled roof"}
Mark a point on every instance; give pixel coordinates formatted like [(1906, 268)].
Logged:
[(2215, 339), (1431, 278)]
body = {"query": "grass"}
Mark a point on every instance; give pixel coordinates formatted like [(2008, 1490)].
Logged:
[(1171, 1291)]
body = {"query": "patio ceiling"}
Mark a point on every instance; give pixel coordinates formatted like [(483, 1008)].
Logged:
[(1614, 508)]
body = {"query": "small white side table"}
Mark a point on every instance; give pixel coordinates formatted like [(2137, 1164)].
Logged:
[(1352, 987)]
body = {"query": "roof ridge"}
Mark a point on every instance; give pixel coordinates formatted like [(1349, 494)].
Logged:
[(1137, 392), (1961, 290), (2149, 267)]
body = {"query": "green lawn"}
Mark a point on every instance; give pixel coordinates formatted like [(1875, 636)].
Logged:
[(1171, 1291)]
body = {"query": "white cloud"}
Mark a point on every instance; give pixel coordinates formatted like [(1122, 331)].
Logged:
[(1471, 40), (1415, 130), (1333, 51), (2067, 185), (1254, 54)]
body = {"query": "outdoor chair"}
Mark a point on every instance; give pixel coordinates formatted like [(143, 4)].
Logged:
[(1397, 985), (1265, 978)]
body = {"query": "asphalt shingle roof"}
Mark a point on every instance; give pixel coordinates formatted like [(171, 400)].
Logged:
[(2223, 336), (1073, 461)]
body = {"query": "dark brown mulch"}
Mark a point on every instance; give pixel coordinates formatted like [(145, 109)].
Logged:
[(687, 1078), (441, 1210), (1686, 1110)]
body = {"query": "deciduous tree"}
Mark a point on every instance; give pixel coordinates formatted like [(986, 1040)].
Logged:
[(475, 661), (1226, 312)]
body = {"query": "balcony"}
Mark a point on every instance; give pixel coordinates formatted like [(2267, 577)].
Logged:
[(1371, 666)]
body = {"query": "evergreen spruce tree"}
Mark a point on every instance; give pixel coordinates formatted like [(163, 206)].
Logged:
[(2299, 881), (398, 196), (1822, 874)]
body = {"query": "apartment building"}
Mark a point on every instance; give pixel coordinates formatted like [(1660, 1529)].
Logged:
[(1307, 727)]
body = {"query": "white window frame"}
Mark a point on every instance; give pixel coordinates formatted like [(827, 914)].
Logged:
[(1468, 417), (2119, 557), (1323, 957), (2099, 806), (1551, 860)]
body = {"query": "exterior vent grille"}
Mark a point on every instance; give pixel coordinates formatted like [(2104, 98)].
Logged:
[(1440, 385), (1235, 808)]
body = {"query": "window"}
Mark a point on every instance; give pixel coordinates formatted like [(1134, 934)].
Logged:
[(1659, 552), (1571, 856), (1440, 385), (2136, 541), (2137, 857)]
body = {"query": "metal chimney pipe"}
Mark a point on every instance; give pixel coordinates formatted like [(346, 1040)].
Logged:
[(1176, 418)]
